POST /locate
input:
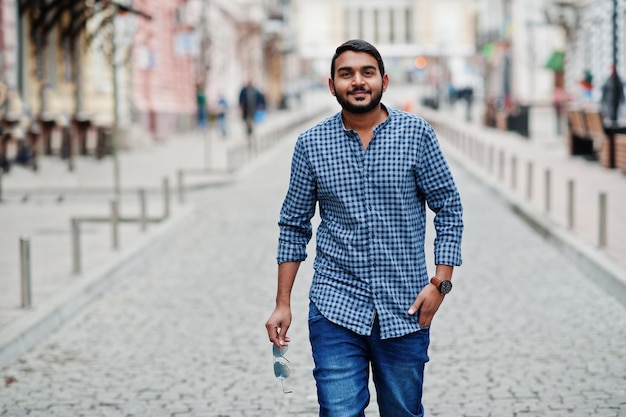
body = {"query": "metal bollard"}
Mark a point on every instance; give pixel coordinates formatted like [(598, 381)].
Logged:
[(115, 221), (514, 172), (529, 180), (602, 222), (229, 159), (482, 154), (501, 166), (76, 261), (143, 221), (570, 204), (181, 187), (547, 191), (25, 272), (166, 198), (207, 151)]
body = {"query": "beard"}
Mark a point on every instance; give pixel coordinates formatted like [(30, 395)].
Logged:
[(360, 108)]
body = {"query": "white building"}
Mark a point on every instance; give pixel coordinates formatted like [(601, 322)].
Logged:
[(229, 45), (517, 41), (441, 31), (591, 46)]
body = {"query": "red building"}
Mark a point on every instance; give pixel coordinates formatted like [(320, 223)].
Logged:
[(163, 69)]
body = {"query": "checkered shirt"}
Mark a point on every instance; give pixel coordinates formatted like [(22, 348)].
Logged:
[(370, 257)]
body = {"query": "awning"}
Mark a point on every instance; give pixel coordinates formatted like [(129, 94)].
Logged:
[(556, 62)]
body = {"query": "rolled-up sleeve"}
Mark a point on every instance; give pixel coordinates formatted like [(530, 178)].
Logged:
[(442, 197), (298, 208)]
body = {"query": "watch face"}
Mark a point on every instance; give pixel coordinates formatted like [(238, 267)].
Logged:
[(445, 287)]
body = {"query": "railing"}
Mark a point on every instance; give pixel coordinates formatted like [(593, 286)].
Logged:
[(115, 219), (237, 156), (495, 157)]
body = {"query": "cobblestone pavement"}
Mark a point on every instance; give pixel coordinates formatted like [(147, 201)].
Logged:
[(524, 333)]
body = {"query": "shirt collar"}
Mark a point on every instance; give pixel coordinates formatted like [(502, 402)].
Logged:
[(390, 114)]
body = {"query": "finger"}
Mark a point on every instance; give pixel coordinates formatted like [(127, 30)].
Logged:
[(282, 335), (415, 306), (272, 332), (275, 337)]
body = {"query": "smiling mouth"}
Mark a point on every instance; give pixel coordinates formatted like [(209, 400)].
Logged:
[(359, 94)]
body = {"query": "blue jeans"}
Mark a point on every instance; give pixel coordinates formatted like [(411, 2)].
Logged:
[(342, 362)]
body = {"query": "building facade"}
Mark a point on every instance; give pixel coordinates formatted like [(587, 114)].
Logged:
[(516, 41), (589, 51), (517, 38), (442, 33), (8, 43), (137, 64), (162, 76)]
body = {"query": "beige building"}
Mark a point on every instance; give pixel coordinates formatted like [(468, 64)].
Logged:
[(441, 31)]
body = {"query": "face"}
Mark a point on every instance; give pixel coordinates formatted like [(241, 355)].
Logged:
[(357, 83)]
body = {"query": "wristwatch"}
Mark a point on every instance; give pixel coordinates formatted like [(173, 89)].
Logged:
[(444, 286)]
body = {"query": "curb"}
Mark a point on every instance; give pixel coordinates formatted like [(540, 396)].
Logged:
[(24, 333), (606, 272)]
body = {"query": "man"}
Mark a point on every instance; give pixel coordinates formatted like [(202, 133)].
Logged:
[(251, 101), (371, 169)]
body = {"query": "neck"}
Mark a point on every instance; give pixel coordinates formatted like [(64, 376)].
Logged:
[(364, 121)]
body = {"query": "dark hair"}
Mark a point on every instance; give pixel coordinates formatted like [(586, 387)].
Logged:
[(357, 45)]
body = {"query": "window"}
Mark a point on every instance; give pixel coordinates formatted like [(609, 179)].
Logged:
[(360, 23), (392, 31), (408, 20), (376, 26), (51, 58)]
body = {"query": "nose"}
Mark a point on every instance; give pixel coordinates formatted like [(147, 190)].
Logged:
[(358, 79)]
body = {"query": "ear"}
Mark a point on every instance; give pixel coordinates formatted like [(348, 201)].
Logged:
[(385, 82), (331, 86)]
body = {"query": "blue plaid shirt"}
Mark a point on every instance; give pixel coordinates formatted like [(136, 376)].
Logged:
[(370, 256)]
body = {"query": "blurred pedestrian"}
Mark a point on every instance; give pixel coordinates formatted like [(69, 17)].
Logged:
[(467, 95), (612, 96), (251, 101), (222, 111), (371, 169), (16, 119), (201, 107), (587, 86), (558, 102), (4, 136)]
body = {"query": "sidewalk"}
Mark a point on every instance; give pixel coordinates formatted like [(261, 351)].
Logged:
[(558, 194), (40, 205)]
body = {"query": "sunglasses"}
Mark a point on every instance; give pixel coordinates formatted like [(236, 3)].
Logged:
[(281, 370)]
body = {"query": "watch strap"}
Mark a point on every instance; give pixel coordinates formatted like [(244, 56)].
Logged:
[(443, 290), (436, 282)]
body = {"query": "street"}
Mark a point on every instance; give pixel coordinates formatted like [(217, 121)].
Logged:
[(524, 332)]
